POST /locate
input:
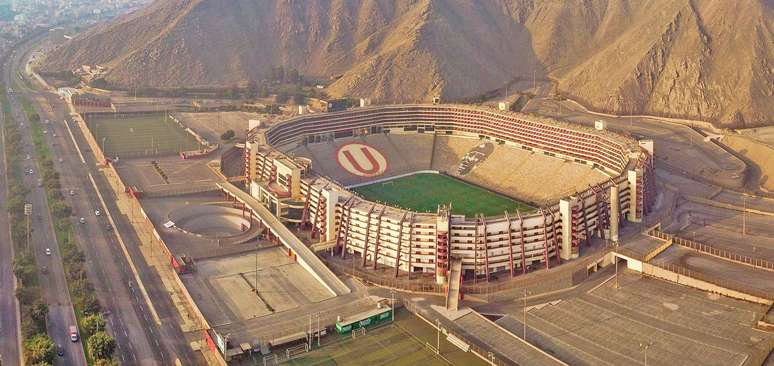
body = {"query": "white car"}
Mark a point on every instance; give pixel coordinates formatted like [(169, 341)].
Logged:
[(48, 251), (72, 192), (82, 220), (97, 213)]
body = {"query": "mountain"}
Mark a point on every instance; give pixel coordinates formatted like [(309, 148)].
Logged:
[(700, 59)]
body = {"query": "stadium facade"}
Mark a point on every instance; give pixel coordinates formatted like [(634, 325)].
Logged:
[(426, 242)]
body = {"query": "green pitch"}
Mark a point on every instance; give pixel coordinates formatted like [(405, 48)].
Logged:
[(424, 192), (141, 136)]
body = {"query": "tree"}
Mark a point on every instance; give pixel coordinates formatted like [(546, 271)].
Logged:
[(34, 117), (101, 345), (39, 311), (263, 92), (282, 97), (299, 99), (93, 323), (228, 135), (252, 89), (103, 362), (39, 349)]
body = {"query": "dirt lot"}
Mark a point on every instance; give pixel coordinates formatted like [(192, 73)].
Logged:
[(760, 154), (212, 124)]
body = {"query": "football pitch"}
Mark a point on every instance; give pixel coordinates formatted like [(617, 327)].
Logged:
[(137, 136), (424, 192), (403, 342)]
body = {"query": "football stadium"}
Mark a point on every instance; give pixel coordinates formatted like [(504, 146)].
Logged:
[(424, 188)]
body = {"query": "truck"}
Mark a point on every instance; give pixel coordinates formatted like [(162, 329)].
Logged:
[(74, 333)]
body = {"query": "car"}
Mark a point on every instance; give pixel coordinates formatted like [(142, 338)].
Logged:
[(59, 350), (45, 132), (109, 227), (82, 220), (48, 251), (97, 213), (72, 192), (73, 333), (54, 134), (44, 270), (28, 157)]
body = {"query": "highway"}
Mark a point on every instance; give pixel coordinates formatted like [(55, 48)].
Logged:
[(9, 327), (53, 282), (140, 339)]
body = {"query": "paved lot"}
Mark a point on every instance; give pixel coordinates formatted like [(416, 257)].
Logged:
[(179, 174), (252, 285), (683, 326), (733, 275)]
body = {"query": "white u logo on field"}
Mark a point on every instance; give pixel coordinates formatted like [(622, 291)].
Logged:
[(361, 160)]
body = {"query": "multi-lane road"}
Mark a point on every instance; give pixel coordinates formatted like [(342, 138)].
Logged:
[(53, 282), (140, 338), (9, 327)]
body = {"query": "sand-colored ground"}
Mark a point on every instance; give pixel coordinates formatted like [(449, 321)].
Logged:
[(758, 153)]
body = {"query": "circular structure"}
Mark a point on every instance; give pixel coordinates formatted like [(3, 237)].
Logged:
[(210, 221), (581, 181)]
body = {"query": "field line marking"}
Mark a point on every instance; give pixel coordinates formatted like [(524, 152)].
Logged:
[(126, 254)]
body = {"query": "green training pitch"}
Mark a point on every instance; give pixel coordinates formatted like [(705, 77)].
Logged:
[(138, 136), (424, 192)]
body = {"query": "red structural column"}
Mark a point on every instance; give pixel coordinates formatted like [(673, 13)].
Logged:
[(400, 240), (521, 239), (367, 234), (486, 249), (510, 243), (545, 237), (411, 240), (378, 238)]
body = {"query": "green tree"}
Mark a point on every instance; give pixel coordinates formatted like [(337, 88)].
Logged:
[(228, 135), (103, 362), (60, 209), (39, 349), (39, 311), (93, 323), (34, 117), (252, 89), (299, 99), (263, 92), (101, 345), (282, 97)]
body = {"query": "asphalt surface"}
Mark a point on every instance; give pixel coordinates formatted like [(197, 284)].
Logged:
[(139, 338), (9, 340), (53, 282)]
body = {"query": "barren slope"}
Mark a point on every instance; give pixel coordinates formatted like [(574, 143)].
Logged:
[(710, 60)]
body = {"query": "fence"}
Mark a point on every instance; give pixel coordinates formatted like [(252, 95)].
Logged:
[(719, 282), (717, 252), (482, 353), (567, 275)]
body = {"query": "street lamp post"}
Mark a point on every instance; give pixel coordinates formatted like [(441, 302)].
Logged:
[(524, 321), (644, 347), (27, 214)]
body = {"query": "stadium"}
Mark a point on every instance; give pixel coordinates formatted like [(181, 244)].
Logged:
[(418, 187)]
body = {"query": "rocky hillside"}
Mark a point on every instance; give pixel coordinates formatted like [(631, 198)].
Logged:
[(709, 60)]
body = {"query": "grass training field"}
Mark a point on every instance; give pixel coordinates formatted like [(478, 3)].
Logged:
[(137, 136), (424, 192), (399, 343)]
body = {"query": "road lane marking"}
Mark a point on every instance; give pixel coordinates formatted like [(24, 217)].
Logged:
[(126, 254), (78, 149)]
